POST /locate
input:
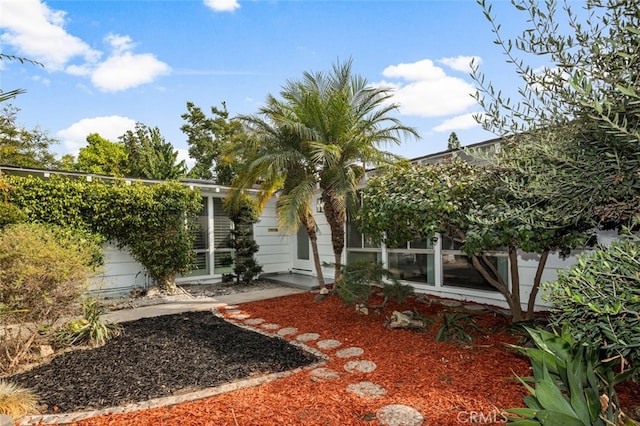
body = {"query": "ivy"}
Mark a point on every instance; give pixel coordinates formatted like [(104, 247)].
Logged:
[(152, 221)]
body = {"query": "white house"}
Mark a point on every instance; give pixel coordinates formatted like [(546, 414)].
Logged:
[(435, 265)]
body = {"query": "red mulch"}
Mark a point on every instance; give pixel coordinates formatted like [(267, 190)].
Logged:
[(446, 382)]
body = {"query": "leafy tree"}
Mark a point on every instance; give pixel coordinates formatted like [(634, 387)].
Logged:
[(22, 147), (150, 156), (582, 111), (342, 122), (102, 157), (208, 138), (453, 143)]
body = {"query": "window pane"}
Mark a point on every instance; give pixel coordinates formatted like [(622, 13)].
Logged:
[(450, 244), (354, 237), (421, 243), (221, 226), (200, 266), (364, 256), (303, 244), (416, 267), (223, 262), (459, 272), (201, 230)]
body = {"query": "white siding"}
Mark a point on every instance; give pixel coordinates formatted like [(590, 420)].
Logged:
[(274, 253), (121, 273)]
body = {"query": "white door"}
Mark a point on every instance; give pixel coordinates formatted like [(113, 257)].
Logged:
[(302, 257)]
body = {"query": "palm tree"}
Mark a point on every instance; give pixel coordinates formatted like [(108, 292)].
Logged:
[(342, 123), (275, 159)]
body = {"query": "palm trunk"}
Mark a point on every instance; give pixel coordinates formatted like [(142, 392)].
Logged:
[(336, 220), (310, 226)]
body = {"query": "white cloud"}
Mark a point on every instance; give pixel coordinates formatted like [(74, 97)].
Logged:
[(460, 122), (183, 154), (38, 33), (110, 127), (425, 90), (461, 63), (222, 5)]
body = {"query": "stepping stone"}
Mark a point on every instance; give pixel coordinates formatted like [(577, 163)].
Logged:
[(230, 307), (399, 415), (239, 316), (366, 389), (451, 303), (360, 366), (307, 337), (328, 344), (287, 330), (254, 321), (349, 352), (320, 374), (270, 326), (233, 311)]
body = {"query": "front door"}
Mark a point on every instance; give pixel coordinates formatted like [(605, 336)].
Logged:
[(302, 259)]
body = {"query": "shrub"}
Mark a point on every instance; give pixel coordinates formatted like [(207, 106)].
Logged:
[(43, 273), (16, 402), (90, 329), (598, 300), (362, 280)]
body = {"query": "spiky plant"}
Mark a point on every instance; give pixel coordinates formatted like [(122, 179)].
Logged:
[(16, 401)]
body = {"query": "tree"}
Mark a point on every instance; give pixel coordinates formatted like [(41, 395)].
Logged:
[(582, 111), (208, 138), (22, 147), (244, 216), (453, 143), (342, 121), (278, 161), (103, 157), (150, 156)]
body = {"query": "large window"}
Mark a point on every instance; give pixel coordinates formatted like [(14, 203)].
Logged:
[(201, 243), (361, 248), (457, 270), (223, 253), (413, 261)]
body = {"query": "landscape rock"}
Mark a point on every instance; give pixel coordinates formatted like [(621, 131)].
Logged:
[(405, 319), (366, 389), (399, 415)]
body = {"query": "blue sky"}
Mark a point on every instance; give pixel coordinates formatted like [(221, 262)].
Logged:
[(111, 63)]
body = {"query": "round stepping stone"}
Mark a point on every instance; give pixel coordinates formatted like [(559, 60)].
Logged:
[(287, 330), (307, 337), (399, 415), (233, 311), (360, 366), (328, 344), (366, 389), (239, 316), (349, 352), (254, 321), (322, 373), (270, 326)]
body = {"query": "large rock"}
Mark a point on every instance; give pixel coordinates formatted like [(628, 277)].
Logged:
[(405, 319)]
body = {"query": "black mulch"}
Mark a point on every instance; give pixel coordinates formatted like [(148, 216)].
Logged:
[(157, 357)]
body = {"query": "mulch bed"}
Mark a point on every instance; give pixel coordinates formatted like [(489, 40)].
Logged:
[(446, 382), (158, 357)]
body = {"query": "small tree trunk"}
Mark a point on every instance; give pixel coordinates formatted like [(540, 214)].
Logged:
[(516, 313), (310, 226), (536, 283), (336, 220), (167, 284), (501, 286)]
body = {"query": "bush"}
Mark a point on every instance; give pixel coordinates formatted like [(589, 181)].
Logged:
[(90, 329), (43, 273), (362, 280), (16, 402), (598, 301)]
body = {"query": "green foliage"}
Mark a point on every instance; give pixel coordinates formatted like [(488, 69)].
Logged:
[(102, 157), (22, 147), (90, 329), (454, 328), (453, 143), (571, 385), (598, 301), (43, 272), (150, 156), (151, 221), (361, 280), (244, 214), (209, 139), (10, 213), (15, 401)]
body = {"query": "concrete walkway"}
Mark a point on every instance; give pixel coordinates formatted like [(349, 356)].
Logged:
[(198, 304)]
